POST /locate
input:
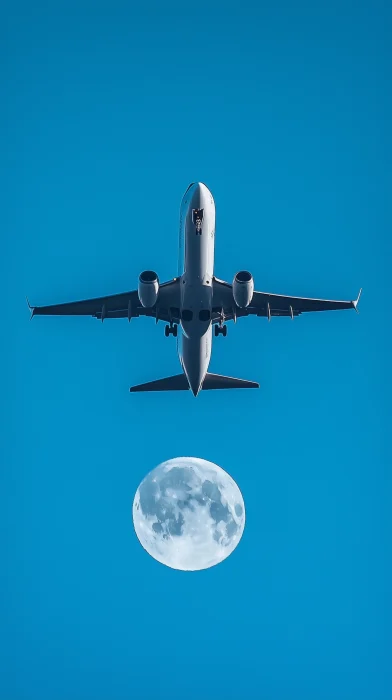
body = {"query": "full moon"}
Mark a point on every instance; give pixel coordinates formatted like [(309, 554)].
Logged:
[(188, 514)]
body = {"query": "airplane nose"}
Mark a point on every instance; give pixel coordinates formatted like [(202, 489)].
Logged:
[(200, 189), (194, 186), (197, 190), (188, 188), (197, 193)]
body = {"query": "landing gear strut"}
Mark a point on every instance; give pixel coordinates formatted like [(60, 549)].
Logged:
[(221, 328), (171, 330)]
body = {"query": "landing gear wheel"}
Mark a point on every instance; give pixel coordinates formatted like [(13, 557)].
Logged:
[(221, 330), (171, 330)]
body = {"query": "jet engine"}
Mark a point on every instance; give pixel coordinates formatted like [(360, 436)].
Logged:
[(148, 288), (243, 287)]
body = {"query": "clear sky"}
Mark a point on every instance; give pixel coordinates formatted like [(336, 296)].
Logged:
[(109, 111)]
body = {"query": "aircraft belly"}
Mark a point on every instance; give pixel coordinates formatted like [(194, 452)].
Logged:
[(199, 256), (195, 355), (197, 234)]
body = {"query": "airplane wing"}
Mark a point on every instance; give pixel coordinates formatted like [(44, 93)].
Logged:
[(125, 305), (266, 304)]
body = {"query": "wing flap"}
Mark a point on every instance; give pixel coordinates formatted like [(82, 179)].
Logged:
[(281, 305), (265, 304), (106, 306), (125, 305)]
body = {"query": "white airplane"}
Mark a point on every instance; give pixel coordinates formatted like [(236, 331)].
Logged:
[(196, 300)]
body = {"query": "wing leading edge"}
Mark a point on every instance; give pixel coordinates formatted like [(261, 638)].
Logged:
[(265, 304)]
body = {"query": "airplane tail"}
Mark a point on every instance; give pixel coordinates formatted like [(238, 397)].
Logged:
[(219, 381), (179, 382)]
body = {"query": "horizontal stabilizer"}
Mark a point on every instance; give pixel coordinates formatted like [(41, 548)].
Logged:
[(179, 382), (218, 381)]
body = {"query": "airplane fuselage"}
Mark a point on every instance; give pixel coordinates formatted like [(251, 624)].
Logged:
[(196, 269), (196, 300)]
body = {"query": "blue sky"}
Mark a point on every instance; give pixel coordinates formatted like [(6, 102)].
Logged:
[(109, 111)]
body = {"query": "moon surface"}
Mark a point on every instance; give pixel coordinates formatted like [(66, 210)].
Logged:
[(188, 514)]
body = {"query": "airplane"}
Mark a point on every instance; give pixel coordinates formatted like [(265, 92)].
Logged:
[(195, 300)]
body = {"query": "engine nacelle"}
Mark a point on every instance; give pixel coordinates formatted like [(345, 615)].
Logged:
[(243, 287), (148, 288)]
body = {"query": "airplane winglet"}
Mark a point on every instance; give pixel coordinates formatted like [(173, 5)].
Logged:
[(32, 308), (355, 303)]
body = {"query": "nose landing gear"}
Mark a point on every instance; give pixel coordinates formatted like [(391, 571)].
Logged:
[(171, 330)]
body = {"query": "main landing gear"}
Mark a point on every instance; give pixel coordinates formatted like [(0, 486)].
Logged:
[(171, 330), (221, 330)]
